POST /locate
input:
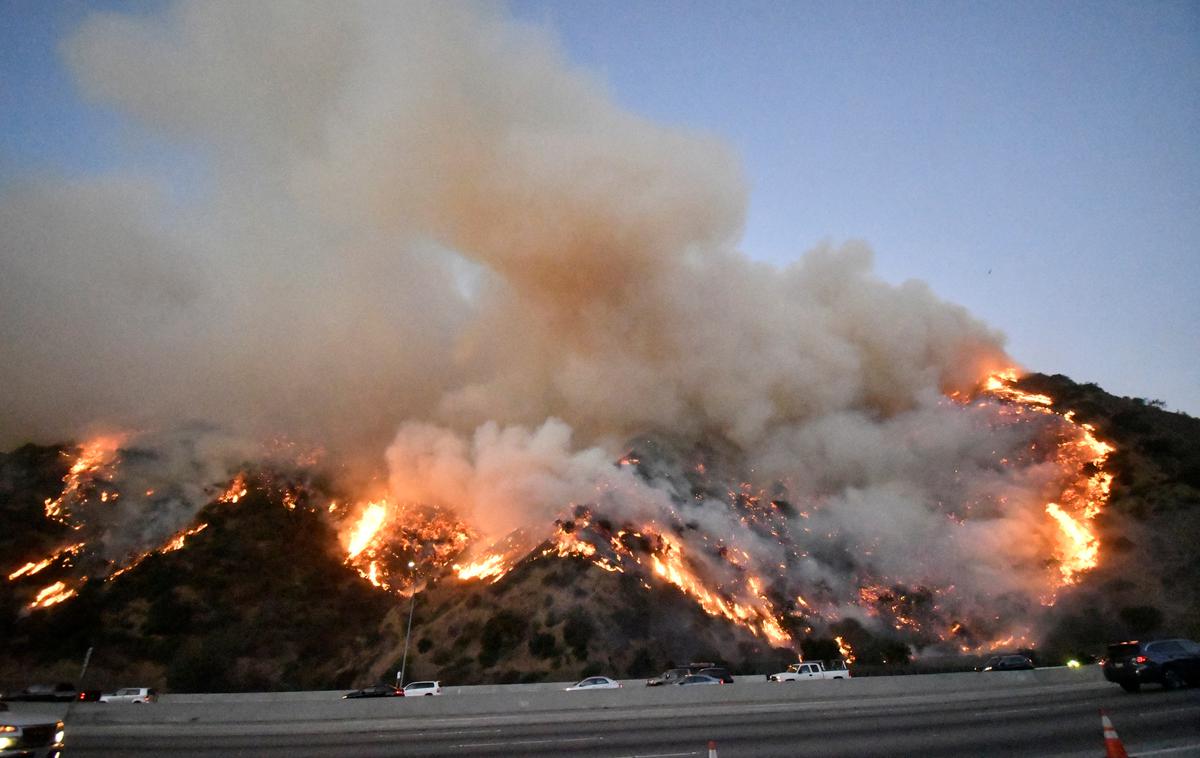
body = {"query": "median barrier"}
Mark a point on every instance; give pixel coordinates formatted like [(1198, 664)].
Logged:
[(498, 700)]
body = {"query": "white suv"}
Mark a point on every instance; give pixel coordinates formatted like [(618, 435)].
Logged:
[(131, 695), (422, 688)]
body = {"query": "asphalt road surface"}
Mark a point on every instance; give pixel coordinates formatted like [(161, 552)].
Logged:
[(1030, 721)]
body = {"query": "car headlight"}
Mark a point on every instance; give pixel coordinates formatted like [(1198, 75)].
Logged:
[(7, 741)]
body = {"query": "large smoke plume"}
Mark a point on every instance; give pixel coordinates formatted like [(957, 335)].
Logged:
[(419, 216)]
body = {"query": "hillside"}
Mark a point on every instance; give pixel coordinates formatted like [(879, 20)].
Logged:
[(257, 593), (1148, 579)]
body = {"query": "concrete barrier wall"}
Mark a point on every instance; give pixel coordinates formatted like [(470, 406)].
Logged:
[(470, 701)]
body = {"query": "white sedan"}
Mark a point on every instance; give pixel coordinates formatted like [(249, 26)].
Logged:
[(595, 683)]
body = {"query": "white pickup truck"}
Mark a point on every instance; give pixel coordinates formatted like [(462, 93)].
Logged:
[(802, 671)]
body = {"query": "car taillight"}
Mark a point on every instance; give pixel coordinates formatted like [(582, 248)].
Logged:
[(1140, 659)]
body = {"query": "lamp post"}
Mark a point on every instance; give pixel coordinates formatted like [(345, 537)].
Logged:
[(411, 605)]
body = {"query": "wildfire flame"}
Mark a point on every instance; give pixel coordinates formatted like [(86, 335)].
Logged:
[(97, 457), (1084, 495), (235, 491), (52, 595), (33, 567), (845, 650), (367, 527), (382, 538)]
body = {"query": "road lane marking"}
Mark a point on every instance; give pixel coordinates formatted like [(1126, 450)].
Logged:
[(1170, 710), (531, 742), (1165, 750), (457, 733), (1031, 709)]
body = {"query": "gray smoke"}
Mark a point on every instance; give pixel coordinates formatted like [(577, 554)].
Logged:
[(420, 216)]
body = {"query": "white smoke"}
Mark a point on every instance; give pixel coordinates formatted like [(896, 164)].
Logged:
[(420, 216)]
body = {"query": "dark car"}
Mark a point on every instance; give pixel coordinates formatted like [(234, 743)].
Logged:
[(376, 690), (1171, 663), (58, 692), (716, 672), (672, 676), (1007, 663), (692, 679)]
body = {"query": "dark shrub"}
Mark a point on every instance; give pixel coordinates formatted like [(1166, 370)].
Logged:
[(577, 632), (543, 646), (501, 633)]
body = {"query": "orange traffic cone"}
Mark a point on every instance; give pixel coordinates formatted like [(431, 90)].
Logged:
[(1112, 743), (712, 749)]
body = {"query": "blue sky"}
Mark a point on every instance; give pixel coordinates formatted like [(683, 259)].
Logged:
[(1036, 162)]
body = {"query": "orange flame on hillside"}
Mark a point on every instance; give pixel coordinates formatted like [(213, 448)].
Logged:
[(33, 567), (235, 491), (367, 527), (97, 457), (846, 651), (55, 593), (491, 567), (1084, 496)]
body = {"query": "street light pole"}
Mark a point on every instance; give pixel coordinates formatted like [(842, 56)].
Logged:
[(408, 632)]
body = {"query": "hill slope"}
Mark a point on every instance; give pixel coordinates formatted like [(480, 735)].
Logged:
[(259, 596)]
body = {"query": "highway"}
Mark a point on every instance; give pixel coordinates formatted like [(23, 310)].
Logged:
[(984, 716)]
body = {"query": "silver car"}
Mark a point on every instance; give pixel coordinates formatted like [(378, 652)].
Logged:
[(422, 688), (30, 735), (131, 695)]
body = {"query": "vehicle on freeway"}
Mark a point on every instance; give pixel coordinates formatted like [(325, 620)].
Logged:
[(59, 692), (694, 679), (1007, 663), (594, 683), (30, 735), (716, 672), (1172, 663), (131, 695), (375, 690), (803, 671), (422, 688), (89, 696), (672, 676)]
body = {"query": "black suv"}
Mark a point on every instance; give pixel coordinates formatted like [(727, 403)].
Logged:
[(58, 692), (1171, 663), (672, 676)]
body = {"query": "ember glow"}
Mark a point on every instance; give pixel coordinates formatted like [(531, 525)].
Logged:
[(490, 568), (86, 478), (235, 491), (177, 542), (845, 650), (52, 595), (367, 528), (727, 572), (33, 567), (1081, 456), (384, 539), (732, 547), (755, 613)]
